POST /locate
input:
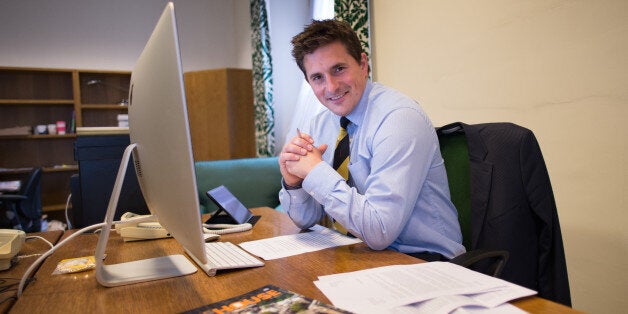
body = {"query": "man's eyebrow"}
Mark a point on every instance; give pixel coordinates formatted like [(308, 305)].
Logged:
[(338, 65), (312, 75), (333, 67)]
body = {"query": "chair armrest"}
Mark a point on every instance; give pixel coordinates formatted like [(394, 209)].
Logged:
[(12, 197), (492, 261)]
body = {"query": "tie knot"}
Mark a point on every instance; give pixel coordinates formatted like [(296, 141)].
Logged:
[(344, 122)]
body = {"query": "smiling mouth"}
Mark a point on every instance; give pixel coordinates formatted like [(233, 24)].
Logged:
[(334, 98)]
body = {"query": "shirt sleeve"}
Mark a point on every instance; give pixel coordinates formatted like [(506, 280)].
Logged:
[(304, 211)]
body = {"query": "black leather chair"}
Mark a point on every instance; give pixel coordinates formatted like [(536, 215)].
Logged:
[(26, 204), (506, 203)]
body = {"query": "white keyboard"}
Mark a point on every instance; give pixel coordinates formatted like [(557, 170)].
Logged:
[(226, 255)]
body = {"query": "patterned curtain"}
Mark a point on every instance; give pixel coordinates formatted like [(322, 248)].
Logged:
[(262, 80), (356, 13)]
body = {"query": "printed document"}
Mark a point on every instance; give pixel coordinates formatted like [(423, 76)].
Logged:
[(436, 287), (282, 246)]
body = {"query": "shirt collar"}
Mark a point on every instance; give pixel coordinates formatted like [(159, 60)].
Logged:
[(357, 114)]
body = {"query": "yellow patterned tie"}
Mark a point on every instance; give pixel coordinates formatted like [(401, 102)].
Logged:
[(341, 159), (341, 154)]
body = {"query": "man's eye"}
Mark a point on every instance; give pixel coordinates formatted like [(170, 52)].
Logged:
[(340, 69)]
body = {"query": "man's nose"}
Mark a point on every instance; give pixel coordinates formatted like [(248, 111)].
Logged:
[(332, 84)]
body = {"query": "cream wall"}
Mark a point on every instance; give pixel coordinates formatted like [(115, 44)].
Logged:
[(559, 68), (110, 35)]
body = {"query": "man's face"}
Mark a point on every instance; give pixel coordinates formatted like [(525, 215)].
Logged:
[(337, 79)]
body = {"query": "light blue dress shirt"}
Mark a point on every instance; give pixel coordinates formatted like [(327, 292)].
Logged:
[(398, 195)]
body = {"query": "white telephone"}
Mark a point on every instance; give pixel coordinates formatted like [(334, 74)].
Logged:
[(137, 229), (146, 227), (11, 241)]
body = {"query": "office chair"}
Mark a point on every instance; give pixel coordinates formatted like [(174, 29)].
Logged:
[(506, 204), (26, 204)]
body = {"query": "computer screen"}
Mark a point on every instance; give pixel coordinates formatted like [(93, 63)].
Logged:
[(158, 125), (162, 153)]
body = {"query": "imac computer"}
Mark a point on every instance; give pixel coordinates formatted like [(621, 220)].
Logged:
[(162, 155)]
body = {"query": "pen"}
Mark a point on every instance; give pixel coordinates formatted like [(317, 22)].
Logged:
[(299, 133)]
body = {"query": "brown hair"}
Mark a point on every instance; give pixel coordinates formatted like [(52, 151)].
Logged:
[(321, 33)]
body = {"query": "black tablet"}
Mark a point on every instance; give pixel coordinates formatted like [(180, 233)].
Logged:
[(230, 209)]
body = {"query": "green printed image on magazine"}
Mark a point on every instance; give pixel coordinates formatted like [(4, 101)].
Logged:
[(268, 299)]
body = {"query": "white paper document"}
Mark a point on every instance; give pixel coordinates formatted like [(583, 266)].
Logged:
[(282, 246), (436, 287)]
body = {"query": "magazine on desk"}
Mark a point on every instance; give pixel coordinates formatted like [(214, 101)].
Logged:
[(269, 299)]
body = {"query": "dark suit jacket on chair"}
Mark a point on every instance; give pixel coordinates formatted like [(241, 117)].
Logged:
[(513, 207)]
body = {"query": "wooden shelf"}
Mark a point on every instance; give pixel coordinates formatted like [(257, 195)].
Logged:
[(14, 171), (37, 96), (39, 102), (38, 137), (105, 107), (64, 168), (52, 136)]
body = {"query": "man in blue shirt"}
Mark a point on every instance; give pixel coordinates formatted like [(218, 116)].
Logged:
[(397, 194)]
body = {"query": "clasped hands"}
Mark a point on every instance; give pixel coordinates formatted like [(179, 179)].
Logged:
[(298, 157)]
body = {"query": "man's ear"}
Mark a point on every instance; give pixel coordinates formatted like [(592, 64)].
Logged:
[(364, 62)]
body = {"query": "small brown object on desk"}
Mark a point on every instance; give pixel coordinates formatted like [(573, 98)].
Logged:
[(79, 292)]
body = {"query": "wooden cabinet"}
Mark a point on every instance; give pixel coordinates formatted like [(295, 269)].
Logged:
[(221, 113), (34, 96)]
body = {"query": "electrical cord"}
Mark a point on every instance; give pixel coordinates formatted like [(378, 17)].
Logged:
[(49, 252), (226, 228), (9, 284), (60, 244), (67, 206), (208, 228), (41, 238)]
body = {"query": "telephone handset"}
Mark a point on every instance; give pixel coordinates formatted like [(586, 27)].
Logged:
[(11, 241), (134, 227)]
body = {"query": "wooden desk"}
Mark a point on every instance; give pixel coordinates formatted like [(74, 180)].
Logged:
[(30, 251), (73, 293)]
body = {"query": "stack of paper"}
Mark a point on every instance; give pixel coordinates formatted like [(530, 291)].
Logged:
[(436, 287)]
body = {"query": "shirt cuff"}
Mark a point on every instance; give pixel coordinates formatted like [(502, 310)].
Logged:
[(321, 181), (289, 187)]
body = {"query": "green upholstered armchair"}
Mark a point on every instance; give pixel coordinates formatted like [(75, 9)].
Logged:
[(254, 181)]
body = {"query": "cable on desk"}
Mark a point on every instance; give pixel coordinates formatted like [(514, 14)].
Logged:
[(49, 252), (60, 244), (9, 284), (41, 238), (20, 257)]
